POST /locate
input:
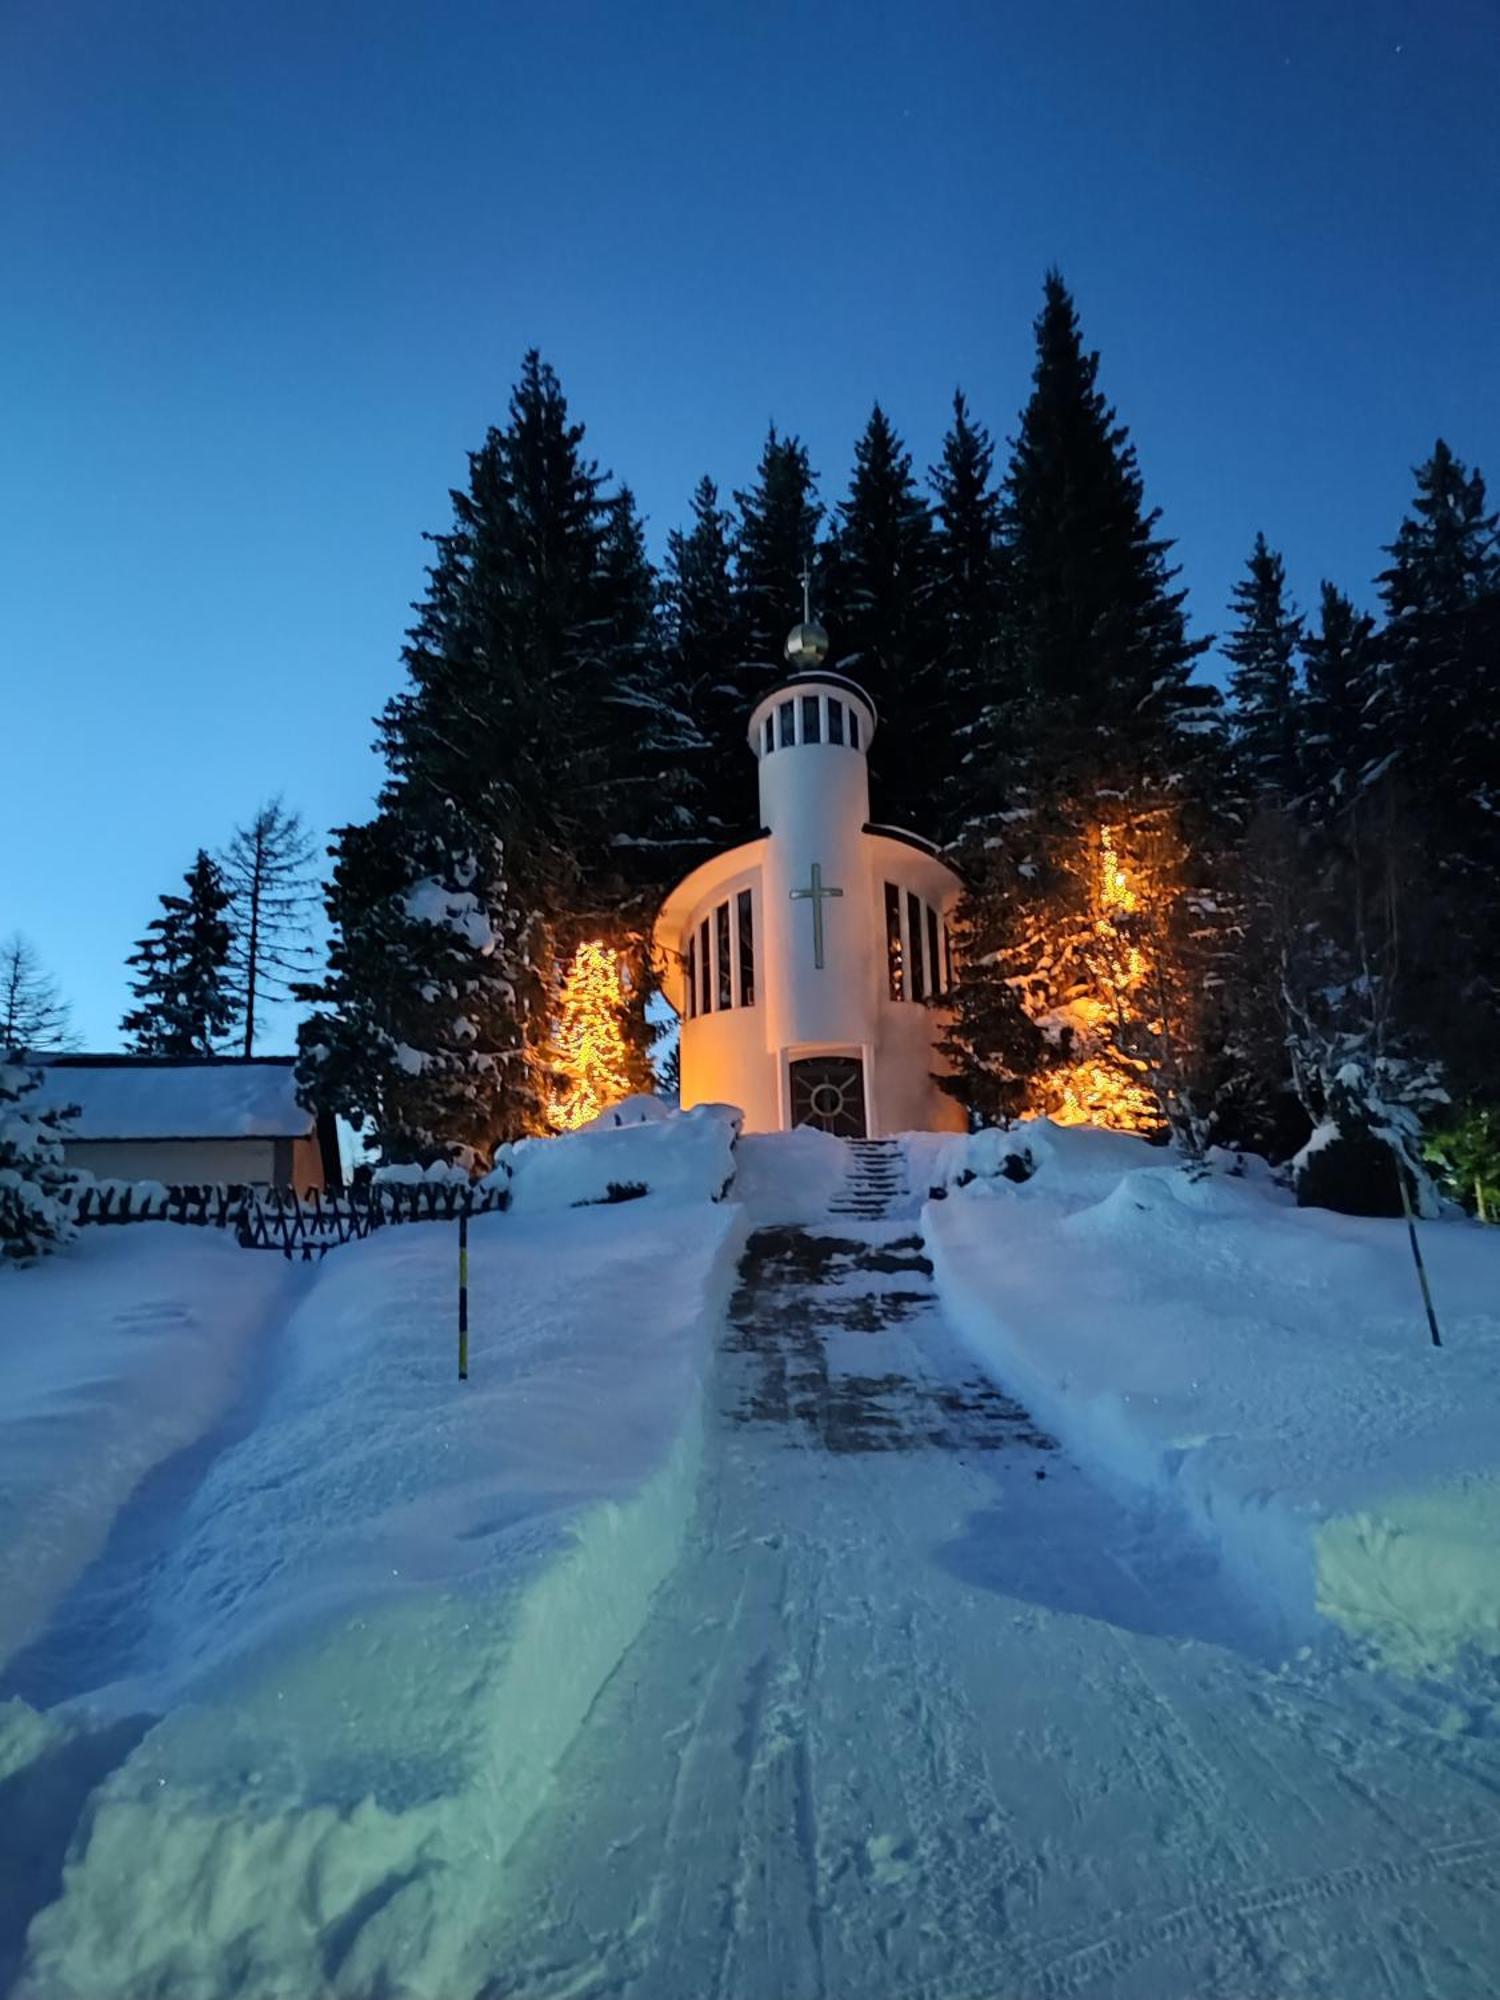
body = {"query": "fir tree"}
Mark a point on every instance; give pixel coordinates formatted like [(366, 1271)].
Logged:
[(879, 592), (712, 663), (1265, 721), (33, 1014), (35, 1185), (1434, 716), (993, 1049), (418, 1036), (1097, 713), (976, 695), (540, 723), (779, 519), (591, 1055), (648, 797), (1101, 645), (187, 1005), (266, 870), (1338, 662)]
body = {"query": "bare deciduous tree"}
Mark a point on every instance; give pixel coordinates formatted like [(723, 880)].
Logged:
[(34, 1016), (267, 872)]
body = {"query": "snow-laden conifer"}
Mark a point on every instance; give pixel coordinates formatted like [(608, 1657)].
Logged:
[(185, 997), (35, 1184)]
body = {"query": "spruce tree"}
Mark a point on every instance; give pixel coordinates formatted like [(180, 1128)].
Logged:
[(1100, 637), (266, 870), (185, 990), (1338, 661), (539, 761), (647, 799), (880, 610), (1265, 721), (1435, 744), (33, 1014), (779, 519), (418, 1034), (712, 663), (975, 695), (35, 1185), (1099, 726)]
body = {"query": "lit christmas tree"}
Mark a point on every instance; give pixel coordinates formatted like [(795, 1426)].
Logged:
[(591, 1063)]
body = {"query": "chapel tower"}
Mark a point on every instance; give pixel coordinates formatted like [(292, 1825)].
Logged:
[(809, 966)]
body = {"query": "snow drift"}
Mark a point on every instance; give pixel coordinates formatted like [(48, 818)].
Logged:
[(678, 1156), (1266, 1366), (391, 1603)]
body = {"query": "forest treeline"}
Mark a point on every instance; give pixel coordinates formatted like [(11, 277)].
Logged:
[(1240, 918)]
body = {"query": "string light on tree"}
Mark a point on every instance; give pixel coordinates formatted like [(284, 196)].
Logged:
[(592, 1057), (1105, 1086)]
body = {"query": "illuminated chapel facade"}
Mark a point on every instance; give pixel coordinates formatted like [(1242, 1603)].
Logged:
[(808, 966)]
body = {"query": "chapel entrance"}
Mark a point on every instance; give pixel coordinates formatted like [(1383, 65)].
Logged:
[(829, 1092)]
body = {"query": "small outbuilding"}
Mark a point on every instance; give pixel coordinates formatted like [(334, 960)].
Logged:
[(192, 1120)]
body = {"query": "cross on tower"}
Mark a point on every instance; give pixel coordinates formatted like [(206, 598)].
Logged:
[(815, 893), (806, 591)]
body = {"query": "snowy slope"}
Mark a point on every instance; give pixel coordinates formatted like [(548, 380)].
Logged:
[(389, 1605), (113, 1358), (1267, 1366)]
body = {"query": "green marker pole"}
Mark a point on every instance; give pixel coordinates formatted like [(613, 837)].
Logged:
[(463, 1297)]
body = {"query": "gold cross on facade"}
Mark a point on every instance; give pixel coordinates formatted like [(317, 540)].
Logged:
[(814, 894)]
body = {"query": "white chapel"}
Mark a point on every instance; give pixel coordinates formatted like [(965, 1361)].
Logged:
[(809, 965)]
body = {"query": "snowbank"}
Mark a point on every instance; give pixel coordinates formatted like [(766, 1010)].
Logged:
[(391, 1605), (789, 1177), (682, 1156), (1266, 1366), (112, 1359)]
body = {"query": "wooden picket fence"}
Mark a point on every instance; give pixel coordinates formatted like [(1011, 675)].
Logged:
[(298, 1225)]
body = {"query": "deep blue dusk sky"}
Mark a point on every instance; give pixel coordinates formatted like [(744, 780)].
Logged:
[(269, 269)]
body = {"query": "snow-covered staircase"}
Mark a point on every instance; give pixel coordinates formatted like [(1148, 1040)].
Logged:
[(876, 1180)]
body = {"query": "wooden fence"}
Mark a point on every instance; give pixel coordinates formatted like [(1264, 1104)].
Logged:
[(271, 1219)]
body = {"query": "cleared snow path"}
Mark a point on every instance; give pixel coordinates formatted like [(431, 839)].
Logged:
[(923, 1712)]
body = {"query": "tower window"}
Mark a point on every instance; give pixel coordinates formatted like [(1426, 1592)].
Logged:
[(854, 729), (721, 930), (835, 720), (705, 990), (812, 731), (746, 923), (895, 961), (950, 982), (787, 724), (934, 963), (692, 977), (770, 735), (914, 936)]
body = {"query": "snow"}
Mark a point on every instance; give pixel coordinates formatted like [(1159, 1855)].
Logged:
[(457, 910), (228, 1100), (113, 1357), (388, 1605), (810, 1665), (1265, 1368), (789, 1176), (682, 1156)]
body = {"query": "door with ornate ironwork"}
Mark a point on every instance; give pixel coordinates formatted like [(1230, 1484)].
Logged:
[(829, 1092)]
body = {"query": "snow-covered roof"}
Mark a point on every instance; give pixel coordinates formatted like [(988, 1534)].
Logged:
[(145, 1099)]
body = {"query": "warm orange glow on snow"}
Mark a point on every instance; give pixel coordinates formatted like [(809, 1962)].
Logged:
[(1090, 1091), (591, 1058)]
